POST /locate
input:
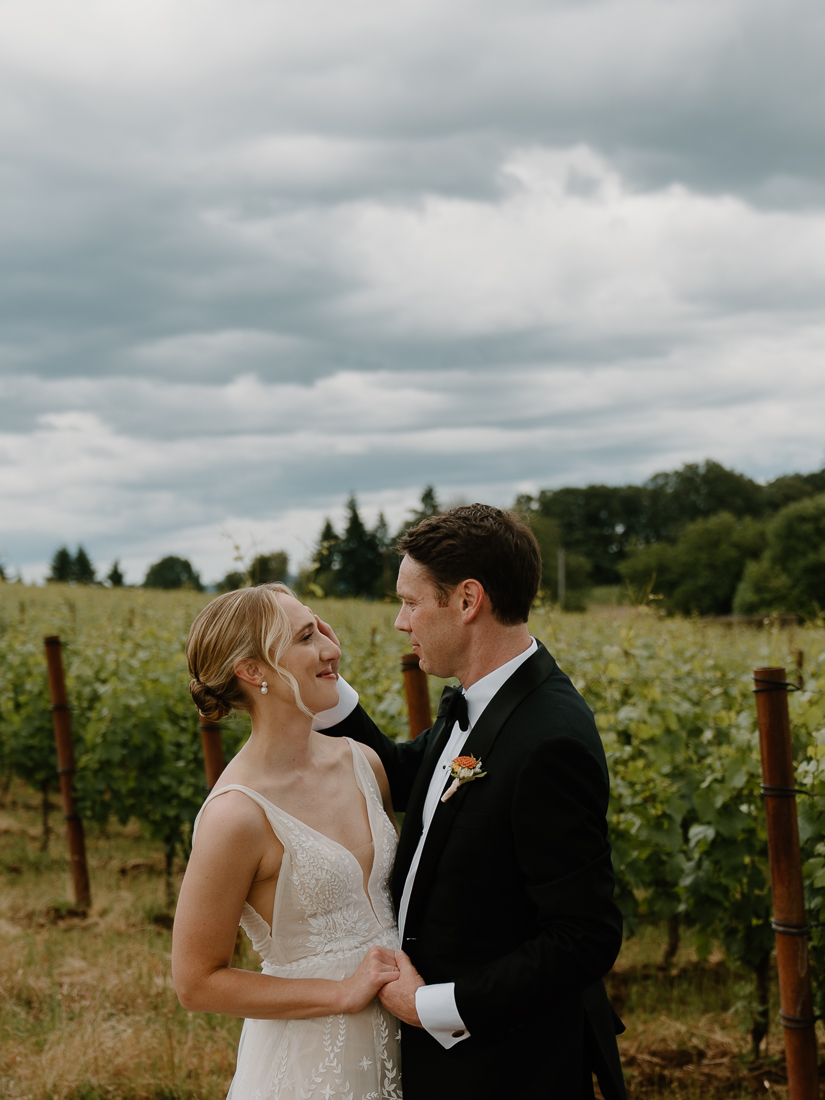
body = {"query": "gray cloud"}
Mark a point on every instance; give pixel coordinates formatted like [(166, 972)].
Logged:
[(253, 257)]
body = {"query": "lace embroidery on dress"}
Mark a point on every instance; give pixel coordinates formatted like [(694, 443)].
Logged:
[(323, 922)]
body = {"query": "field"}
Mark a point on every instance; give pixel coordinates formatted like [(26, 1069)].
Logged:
[(86, 1006)]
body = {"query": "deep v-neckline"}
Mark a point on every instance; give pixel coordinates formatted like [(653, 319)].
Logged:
[(366, 885)]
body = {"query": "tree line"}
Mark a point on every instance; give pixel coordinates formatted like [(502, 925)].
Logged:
[(77, 568), (606, 523), (170, 572), (706, 539)]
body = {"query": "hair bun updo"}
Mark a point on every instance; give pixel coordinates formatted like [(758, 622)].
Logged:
[(248, 624), (208, 702)]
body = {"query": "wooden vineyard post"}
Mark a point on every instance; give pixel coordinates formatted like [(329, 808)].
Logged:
[(796, 1005), (418, 695), (66, 770), (213, 762)]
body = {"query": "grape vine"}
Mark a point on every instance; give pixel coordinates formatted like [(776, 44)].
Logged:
[(672, 698)]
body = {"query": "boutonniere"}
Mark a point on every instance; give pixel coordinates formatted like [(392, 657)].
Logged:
[(464, 770)]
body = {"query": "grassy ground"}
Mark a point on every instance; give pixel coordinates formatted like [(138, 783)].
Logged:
[(88, 1012), (87, 1008), (688, 1029)]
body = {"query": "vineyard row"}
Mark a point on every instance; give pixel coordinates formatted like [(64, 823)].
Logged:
[(673, 701)]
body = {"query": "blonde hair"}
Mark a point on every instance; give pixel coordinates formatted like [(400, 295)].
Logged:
[(249, 624)]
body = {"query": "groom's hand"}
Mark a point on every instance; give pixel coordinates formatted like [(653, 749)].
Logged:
[(398, 996)]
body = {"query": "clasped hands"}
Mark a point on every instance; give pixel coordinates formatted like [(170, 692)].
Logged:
[(398, 995), (388, 975)]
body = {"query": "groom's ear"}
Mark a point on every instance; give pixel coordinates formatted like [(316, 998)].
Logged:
[(471, 599)]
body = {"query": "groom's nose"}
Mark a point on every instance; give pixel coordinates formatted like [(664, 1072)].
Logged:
[(402, 620)]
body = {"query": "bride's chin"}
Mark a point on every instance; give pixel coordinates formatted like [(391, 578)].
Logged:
[(325, 697)]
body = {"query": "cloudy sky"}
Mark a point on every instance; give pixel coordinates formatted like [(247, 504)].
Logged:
[(258, 254)]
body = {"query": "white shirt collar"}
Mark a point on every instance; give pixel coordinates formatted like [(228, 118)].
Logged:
[(483, 690)]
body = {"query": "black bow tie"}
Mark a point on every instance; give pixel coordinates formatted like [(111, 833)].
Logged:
[(453, 708)]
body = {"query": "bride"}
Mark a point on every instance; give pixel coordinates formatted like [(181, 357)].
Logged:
[(295, 843)]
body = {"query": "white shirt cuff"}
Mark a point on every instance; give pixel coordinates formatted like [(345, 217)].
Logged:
[(437, 1011), (347, 702)]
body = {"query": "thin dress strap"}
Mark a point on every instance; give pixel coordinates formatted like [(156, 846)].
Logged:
[(264, 803), (364, 775)]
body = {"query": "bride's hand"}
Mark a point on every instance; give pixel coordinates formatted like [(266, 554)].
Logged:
[(378, 967), (328, 632)]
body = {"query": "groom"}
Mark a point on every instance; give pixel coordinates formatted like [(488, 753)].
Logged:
[(504, 890)]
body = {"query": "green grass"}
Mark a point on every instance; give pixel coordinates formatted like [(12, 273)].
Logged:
[(609, 595)]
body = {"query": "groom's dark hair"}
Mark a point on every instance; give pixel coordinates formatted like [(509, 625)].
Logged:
[(477, 541)]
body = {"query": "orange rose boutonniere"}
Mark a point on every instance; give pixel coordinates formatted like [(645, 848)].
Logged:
[(464, 770)]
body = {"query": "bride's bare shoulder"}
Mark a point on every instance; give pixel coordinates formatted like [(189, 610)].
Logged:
[(232, 815)]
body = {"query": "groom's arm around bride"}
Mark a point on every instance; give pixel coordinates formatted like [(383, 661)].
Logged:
[(503, 890)]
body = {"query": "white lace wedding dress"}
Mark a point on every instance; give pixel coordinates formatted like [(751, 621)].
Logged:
[(323, 921)]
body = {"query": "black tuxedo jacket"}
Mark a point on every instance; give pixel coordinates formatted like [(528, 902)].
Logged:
[(513, 896)]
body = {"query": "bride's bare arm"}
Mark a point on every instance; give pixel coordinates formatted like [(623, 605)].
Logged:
[(230, 850)]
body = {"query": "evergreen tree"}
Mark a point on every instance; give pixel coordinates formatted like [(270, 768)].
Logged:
[(62, 567), (327, 553), (381, 532), (115, 577), (360, 570), (429, 505), (172, 572), (83, 572), (321, 579), (389, 558)]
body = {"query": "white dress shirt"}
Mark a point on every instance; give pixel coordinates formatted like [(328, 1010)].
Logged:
[(435, 1004)]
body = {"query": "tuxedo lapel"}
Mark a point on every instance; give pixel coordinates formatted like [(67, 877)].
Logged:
[(524, 680), (522, 683)]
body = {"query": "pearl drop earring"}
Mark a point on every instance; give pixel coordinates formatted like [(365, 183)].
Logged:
[(263, 688)]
